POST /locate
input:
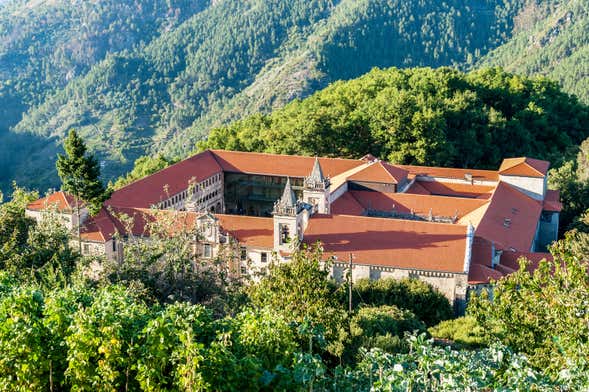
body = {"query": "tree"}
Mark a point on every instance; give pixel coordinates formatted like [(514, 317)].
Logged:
[(381, 327), (80, 173), (14, 225), (301, 291), (544, 313), (426, 302)]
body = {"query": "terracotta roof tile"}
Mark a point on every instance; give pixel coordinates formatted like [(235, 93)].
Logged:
[(511, 259), (381, 172), (404, 203), (347, 204), (100, 228), (390, 242), (249, 230), (482, 252), (280, 165), (527, 167), (417, 189), (552, 201), (454, 189), (510, 219), (149, 190), (482, 274), (443, 172), (62, 201)]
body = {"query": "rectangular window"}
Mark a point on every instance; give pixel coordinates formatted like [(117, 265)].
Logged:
[(86, 249), (243, 270), (264, 257), (243, 254), (207, 251), (114, 245)]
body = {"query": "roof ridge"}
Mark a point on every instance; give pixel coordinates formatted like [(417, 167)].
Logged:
[(168, 167), (214, 150), (420, 222)]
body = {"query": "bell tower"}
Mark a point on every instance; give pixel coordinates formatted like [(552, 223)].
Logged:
[(316, 190), (288, 220)]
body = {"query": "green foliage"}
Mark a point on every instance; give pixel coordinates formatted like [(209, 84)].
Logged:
[(266, 336), (166, 269), (572, 180), (427, 303), (543, 314), (381, 327), (101, 339), (14, 226), (462, 332), (300, 291), (167, 344), (80, 173), (23, 362), (421, 116), (430, 368)]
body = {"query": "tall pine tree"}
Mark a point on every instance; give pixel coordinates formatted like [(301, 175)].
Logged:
[(79, 173)]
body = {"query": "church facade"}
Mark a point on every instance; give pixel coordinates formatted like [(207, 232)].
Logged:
[(453, 228)]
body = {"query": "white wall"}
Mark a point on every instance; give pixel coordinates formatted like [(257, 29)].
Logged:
[(531, 186), (452, 285)]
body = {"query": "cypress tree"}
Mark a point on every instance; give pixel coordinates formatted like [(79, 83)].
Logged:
[(79, 173)]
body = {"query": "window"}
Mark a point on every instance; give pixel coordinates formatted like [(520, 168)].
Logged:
[(284, 234), (243, 270), (86, 249), (207, 251), (114, 245), (264, 257), (243, 253)]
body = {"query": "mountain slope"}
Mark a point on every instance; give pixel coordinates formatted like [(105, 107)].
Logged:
[(238, 57), (551, 39)]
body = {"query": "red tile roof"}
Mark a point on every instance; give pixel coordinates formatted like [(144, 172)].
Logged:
[(100, 228), (511, 219), (552, 201), (526, 167), (280, 165), (150, 190), (381, 172), (62, 201), (404, 203), (347, 204), (417, 189), (451, 189), (443, 172), (511, 259), (249, 230), (390, 242), (482, 274)]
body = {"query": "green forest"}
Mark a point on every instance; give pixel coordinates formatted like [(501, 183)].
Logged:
[(137, 78), (148, 78)]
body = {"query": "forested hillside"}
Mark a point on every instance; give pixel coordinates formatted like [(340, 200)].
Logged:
[(421, 116), (135, 78), (552, 39), (46, 45)]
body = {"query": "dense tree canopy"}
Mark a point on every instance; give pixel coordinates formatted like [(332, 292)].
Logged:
[(421, 116)]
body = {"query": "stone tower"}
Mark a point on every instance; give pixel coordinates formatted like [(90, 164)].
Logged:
[(288, 220), (316, 190)]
